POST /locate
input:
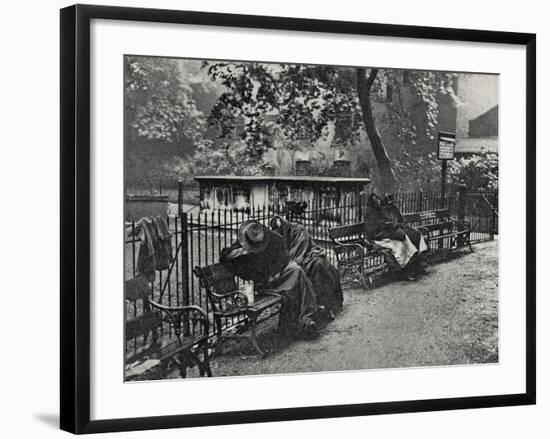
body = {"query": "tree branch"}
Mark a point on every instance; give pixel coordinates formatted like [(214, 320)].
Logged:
[(371, 78), (364, 85)]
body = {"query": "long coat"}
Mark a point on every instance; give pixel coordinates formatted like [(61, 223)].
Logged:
[(313, 259)]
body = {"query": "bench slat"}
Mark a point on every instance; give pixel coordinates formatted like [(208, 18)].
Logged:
[(346, 231)]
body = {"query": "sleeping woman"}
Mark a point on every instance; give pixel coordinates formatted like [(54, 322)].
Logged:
[(312, 258)]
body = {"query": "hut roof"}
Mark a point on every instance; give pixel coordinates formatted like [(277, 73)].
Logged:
[(283, 178)]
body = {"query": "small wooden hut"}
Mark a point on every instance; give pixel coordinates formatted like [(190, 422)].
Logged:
[(241, 193)]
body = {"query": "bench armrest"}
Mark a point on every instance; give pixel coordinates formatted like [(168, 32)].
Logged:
[(183, 308), (464, 223), (225, 295), (423, 231), (268, 292), (180, 314), (350, 246)]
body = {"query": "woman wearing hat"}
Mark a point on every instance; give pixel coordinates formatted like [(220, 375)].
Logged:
[(403, 245), (260, 255)]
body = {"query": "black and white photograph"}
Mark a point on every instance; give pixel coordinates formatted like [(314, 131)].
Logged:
[(275, 219), (296, 218)]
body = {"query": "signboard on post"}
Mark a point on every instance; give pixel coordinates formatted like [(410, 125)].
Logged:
[(446, 146)]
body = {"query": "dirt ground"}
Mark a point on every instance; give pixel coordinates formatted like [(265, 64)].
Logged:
[(449, 316)]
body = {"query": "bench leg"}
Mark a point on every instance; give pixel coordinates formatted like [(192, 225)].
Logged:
[(440, 243), (350, 273), (183, 364), (342, 272), (253, 339), (218, 323), (354, 273), (206, 360), (164, 369), (203, 365), (464, 240), (364, 279)]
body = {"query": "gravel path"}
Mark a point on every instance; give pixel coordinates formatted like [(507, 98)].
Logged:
[(448, 317)]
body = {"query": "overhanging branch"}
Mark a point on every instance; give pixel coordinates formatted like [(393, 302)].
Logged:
[(371, 78)]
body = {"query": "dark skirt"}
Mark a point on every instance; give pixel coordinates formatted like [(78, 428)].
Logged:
[(299, 305), (326, 282)]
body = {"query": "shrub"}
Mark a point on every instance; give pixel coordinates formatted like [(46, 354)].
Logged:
[(478, 172)]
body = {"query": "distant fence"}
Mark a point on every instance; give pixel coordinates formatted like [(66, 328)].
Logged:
[(199, 238), (190, 195), (479, 208)]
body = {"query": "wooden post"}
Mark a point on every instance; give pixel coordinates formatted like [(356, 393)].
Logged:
[(184, 258), (184, 265), (445, 151), (180, 198), (443, 182), (461, 211)]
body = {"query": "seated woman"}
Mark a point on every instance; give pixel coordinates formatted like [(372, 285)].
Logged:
[(313, 259), (384, 225), (260, 255)]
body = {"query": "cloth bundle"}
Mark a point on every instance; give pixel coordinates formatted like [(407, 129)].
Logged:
[(385, 226), (155, 252)]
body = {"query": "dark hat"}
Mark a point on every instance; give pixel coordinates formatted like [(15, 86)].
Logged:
[(253, 236)]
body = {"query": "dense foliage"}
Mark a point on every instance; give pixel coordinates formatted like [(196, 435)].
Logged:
[(229, 158), (310, 102), (159, 105), (252, 108), (478, 172)]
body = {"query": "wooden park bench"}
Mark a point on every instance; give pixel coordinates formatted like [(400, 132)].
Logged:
[(159, 337), (442, 232), (229, 303), (353, 256)]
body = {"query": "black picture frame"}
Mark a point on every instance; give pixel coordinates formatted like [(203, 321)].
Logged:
[(75, 217)]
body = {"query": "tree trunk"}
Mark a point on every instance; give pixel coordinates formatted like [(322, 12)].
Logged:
[(364, 85)]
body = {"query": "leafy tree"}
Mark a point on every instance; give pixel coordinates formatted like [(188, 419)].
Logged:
[(309, 102), (159, 104), (161, 118), (229, 158), (478, 172)]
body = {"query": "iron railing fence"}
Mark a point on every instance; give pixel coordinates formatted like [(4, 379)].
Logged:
[(481, 209), (419, 201), (199, 237)]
